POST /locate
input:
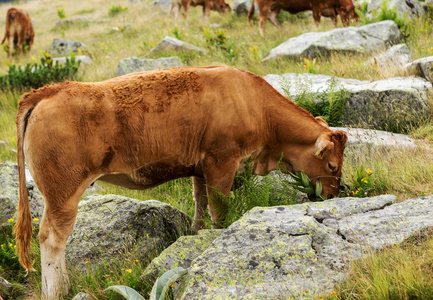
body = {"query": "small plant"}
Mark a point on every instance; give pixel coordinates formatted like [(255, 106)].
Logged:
[(39, 74), (219, 40), (159, 290), (176, 33), (310, 66), (61, 13), (116, 9), (389, 14), (362, 184), (303, 184)]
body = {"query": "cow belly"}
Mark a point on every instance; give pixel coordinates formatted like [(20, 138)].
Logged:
[(149, 176)]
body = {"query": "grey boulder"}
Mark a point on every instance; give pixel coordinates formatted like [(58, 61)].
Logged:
[(405, 8), (393, 60), (362, 39), (60, 47), (134, 64), (109, 224), (377, 104), (173, 44), (422, 67)]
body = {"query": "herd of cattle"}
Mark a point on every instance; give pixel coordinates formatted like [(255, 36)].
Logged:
[(19, 28)]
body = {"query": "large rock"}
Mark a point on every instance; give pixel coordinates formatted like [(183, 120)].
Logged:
[(367, 138), (134, 64), (164, 4), (368, 38), (180, 254), (172, 44), (422, 67), (393, 60), (9, 194), (109, 224), (279, 252), (382, 104), (61, 47), (405, 8), (241, 7)]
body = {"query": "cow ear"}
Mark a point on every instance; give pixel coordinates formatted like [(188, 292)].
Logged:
[(340, 136), (322, 121), (323, 146)]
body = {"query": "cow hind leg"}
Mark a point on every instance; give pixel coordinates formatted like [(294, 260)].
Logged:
[(273, 18), (55, 227)]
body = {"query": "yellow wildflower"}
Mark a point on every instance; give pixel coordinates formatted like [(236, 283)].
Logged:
[(88, 262), (129, 270), (35, 219), (368, 171)]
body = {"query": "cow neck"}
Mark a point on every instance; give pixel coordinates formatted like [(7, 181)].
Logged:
[(291, 124)]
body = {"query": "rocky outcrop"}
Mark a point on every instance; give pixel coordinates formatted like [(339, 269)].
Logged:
[(172, 44), (381, 104), (61, 47), (9, 194), (180, 253), (405, 8), (279, 252), (368, 38), (164, 4), (241, 7), (134, 64), (368, 138), (109, 224), (393, 60), (422, 67)]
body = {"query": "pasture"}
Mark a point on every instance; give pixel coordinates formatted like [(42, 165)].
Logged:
[(133, 30)]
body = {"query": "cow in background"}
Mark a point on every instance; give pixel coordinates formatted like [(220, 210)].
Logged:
[(208, 5), (269, 9), (19, 29)]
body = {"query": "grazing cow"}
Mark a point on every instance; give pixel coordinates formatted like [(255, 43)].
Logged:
[(19, 28), (269, 9), (144, 129), (208, 5)]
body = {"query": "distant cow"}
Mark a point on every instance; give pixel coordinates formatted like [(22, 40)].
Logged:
[(208, 5), (144, 129), (269, 9), (19, 29)]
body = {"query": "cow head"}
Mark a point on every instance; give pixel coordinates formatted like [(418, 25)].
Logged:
[(348, 12), (221, 7), (323, 161)]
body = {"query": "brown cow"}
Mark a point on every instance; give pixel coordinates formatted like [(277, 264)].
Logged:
[(269, 9), (19, 28), (208, 5), (144, 129)]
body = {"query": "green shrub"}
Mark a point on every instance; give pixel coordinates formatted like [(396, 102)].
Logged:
[(39, 74), (61, 13), (219, 40), (116, 9), (329, 105)]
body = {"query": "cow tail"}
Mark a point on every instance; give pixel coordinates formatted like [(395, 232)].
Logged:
[(23, 227), (251, 12)]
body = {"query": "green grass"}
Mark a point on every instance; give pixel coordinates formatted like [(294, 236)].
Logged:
[(405, 173)]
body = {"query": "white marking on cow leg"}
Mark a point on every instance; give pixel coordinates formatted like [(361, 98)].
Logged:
[(176, 13), (200, 199)]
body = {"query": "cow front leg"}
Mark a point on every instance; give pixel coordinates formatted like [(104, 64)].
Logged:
[(200, 199), (219, 180), (10, 46)]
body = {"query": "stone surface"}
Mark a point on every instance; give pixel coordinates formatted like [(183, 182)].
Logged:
[(405, 8), (84, 59), (180, 253), (367, 38), (378, 104), (422, 67), (376, 138), (82, 296), (164, 4), (9, 194), (393, 60), (109, 224), (279, 252), (134, 64), (241, 7), (173, 44), (61, 47)]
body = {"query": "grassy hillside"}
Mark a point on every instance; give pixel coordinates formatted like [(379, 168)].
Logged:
[(136, 29)]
